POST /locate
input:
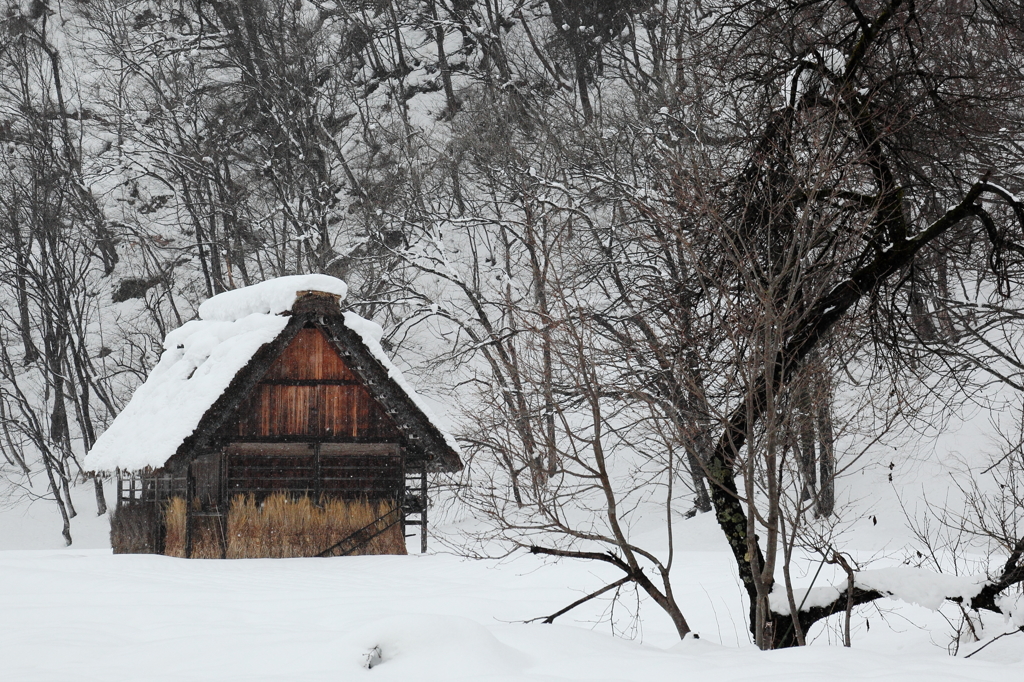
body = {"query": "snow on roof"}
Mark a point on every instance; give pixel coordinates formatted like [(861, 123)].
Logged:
[(200, 360), (371, 334), (269, 298)]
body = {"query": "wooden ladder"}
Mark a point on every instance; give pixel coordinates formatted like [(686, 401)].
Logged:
[(415, 503), (364, 535)]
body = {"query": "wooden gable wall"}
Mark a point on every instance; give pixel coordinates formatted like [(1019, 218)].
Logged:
[(310, 393)]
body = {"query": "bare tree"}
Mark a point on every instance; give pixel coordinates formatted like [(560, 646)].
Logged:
[(842, 145)]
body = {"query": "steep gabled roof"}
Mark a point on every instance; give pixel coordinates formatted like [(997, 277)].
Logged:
[(210, 366)]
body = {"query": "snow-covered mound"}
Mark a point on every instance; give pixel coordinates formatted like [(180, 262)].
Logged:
[(87, 615)]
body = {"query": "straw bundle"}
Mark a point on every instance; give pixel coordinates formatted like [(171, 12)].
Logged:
[(174, 524), (294, 527), (281, 526), (206, 542), (133, 530)]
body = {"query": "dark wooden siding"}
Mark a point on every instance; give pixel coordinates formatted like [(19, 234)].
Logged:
[(372, 471), (350, 411), (309, 392), (260, 472), (309, 357)]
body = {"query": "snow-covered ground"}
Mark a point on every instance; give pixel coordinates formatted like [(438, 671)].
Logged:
[(88, 615), (82, 613)]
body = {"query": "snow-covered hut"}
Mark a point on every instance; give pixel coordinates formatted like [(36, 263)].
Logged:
[(274, 425)]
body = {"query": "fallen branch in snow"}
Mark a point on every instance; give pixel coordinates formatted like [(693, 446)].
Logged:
[(916, 586), (551, 619), (995, 639), (1013, 574), (808, 616)]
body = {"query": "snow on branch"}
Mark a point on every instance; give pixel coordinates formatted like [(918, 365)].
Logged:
[(912, 585)]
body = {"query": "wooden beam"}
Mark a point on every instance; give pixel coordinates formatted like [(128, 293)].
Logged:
[(423, 517), (190, 493)]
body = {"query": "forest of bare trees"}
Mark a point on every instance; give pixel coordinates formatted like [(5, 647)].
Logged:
[(670, 257)]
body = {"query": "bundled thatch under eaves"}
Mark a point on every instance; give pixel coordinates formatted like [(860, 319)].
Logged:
[(282, 527)]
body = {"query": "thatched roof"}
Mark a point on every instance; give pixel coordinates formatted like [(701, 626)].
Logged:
[(211, 365)]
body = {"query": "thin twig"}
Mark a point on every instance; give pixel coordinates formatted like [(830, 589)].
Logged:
[(551, 619), (994, 639)]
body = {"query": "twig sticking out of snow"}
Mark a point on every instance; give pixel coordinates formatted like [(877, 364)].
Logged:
[(373, 657), (995, 639)]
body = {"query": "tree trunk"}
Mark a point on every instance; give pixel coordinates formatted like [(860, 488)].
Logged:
[(581, 83), (827, 459), (31, 353)]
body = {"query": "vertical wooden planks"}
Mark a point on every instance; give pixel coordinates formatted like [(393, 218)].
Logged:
[(309, 357), (309, 392)]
